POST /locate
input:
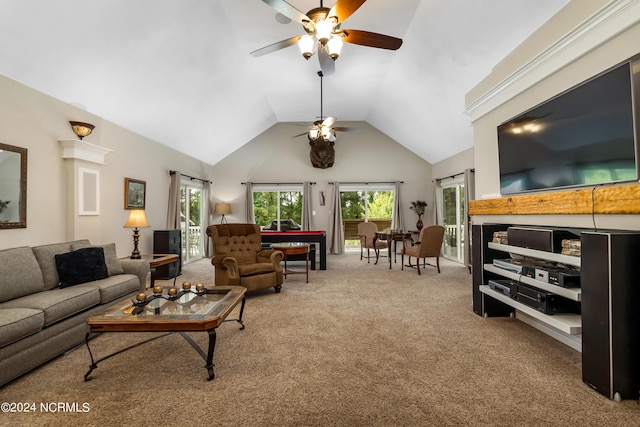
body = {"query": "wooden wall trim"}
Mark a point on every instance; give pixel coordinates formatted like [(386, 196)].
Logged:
[(618, 199)]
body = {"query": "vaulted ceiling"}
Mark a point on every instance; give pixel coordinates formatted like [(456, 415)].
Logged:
[(179, 71)]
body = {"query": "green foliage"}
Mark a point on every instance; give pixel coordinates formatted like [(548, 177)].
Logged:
[(265, 206), (3, 205), (379, 203)]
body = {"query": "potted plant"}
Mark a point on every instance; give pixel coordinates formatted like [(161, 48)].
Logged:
[(418, 207)]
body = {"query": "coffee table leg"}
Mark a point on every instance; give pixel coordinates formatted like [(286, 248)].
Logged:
[(87, 376), (212, 347)]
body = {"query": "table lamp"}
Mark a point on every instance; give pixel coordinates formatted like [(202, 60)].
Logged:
[(222, 209), (136, 219)]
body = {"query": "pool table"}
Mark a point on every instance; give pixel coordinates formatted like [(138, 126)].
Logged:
[(319, 238)]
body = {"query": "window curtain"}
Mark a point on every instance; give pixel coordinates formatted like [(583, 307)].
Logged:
[(439, 206), (335, 230), (208, 188), (306, 205), (173, 210), (251, 218), (469, 194), (397, 218)]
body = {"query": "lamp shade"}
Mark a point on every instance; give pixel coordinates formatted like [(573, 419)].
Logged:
[(81, 129), (136, 219), (222, 208)]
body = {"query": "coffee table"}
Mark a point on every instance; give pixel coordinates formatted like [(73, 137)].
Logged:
[(190, 311)]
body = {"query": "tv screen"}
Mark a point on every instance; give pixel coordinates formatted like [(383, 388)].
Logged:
[(584, 136)]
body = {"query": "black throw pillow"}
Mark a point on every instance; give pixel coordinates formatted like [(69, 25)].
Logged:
[(81, 266)]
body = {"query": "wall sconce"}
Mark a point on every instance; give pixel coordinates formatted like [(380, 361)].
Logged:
[(81, 129), (136, 219), (222, 209)]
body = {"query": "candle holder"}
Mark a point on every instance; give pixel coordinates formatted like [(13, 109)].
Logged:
[(173, 294)]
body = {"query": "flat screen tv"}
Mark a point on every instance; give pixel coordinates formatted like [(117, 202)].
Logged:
[(586, 136)]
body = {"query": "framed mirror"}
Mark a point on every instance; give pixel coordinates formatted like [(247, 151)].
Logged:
[(13, 187)]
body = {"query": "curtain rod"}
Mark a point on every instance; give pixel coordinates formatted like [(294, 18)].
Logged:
[(452, 176), (191, 177), (277, 183), (367, 183)]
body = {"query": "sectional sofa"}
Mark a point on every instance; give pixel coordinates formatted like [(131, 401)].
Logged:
[(47, 292)]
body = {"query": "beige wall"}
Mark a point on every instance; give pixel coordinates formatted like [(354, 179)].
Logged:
[(35, 121), (578, 56), (363, 156)]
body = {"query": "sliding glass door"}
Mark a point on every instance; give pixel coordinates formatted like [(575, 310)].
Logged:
[(453, 216), (191, 220)]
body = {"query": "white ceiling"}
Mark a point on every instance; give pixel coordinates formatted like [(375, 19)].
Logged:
[(179, 71)]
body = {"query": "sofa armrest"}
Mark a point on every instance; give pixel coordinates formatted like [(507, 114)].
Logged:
[(138, 267), (231, 265), (273, 256)]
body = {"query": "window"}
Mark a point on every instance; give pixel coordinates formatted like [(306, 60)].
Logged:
[(277, 207), (365, 203)]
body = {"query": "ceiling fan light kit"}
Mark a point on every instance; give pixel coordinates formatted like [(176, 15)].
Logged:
[(322, 26)]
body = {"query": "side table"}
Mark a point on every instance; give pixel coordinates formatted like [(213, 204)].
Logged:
[(294, 248), (156, 260)]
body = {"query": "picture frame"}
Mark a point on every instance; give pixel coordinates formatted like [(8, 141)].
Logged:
[(135, 193)]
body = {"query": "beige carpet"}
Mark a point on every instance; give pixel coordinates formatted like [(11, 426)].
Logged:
[(359, 345)]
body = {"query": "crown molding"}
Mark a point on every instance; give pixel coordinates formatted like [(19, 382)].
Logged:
[(80, 150), (607, 23)]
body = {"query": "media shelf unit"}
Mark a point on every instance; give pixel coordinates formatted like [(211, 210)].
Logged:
[(606, 331)]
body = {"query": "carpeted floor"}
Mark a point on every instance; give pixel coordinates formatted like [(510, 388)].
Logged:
[(359, 345)]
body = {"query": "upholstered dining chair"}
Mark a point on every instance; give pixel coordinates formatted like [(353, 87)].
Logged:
[(428, 245), (366, 233), (239, 260)]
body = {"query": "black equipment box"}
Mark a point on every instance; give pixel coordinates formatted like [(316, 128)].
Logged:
[(565, 277), (506, 287), (542, 239), (544, 301)]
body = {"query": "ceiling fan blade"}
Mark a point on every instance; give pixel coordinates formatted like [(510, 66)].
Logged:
[(287, 10), (346, 129), (276, 46), (300, 134), (345, 8), (329, 121), (327, 65), (367, 38)]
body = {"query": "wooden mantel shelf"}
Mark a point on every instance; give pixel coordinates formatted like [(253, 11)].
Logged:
[(618, 199)]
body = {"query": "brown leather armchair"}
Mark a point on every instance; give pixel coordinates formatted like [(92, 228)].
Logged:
[(428, 245), (239, 259)]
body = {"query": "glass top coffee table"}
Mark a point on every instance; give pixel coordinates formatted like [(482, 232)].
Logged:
[(170, 310)]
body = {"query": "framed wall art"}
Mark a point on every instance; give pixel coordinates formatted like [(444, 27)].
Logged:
[(135, 192)]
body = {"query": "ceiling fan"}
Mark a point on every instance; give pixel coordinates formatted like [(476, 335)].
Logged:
[(322, 129), (324, 34)]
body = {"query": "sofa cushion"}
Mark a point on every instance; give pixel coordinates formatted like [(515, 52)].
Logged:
[(81, 266), (20, 273), (58, 304), (114, 287), (17, 323), (256, 268), (45, 255), (110, 256)]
